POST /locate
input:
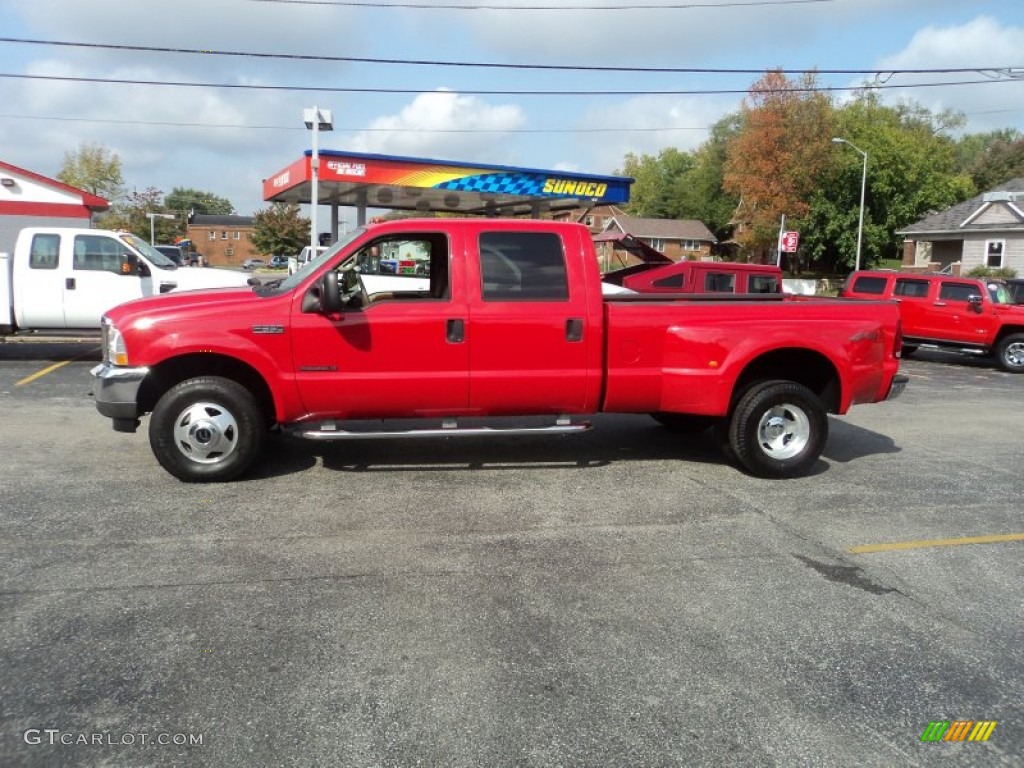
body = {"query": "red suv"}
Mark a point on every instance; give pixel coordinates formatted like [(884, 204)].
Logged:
[(966, 314)]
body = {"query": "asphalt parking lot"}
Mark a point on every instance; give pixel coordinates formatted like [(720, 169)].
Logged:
[(620, 598)]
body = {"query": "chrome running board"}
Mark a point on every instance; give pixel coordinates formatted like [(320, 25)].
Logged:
[(329, 430)]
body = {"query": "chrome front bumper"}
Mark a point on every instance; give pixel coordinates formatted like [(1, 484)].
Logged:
[(116, 391)]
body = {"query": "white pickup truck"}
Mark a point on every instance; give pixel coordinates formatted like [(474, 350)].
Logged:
[(61, 278)]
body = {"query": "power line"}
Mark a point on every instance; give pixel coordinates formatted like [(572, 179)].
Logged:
[(999, 71), (478, 7), (236, 126), (491, 92)]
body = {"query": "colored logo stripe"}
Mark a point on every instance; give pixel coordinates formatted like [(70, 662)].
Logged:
[(958, 730), (982, 730)]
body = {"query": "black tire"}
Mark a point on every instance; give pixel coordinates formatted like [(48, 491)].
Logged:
[(207, 430), (778, 429), (1010, 353), (683, 423)]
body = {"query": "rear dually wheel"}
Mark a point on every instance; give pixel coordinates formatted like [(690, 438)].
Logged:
[(778, 429)]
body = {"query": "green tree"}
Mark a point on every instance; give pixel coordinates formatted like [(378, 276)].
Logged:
[(998, 158), (651, 195), (912, 171), (188, 200), (280, 229), (130, 215), (95, 169), (698, 193)]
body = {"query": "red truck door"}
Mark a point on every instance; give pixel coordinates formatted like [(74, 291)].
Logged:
[(912, 294), (397, 354), (953, 315), (533, 338)]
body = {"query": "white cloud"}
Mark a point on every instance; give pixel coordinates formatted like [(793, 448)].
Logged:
[(424, 128), (659, 122), (983, 42)]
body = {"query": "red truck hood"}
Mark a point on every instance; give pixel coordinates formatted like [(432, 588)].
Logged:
[(193, 305)]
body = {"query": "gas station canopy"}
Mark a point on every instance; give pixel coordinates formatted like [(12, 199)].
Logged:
[(416, 184)]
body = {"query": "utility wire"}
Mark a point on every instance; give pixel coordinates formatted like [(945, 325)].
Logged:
[(631, 7), (487, 92), (354, 129), (999, 71)]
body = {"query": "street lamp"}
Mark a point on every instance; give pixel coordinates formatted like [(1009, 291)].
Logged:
[(863, 186), (317, 120), (152, 218)]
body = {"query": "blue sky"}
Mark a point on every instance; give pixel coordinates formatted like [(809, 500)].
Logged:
[(169, 136)]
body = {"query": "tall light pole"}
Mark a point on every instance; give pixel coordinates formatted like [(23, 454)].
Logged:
[(863, 187), (152, 229), (317, 120)]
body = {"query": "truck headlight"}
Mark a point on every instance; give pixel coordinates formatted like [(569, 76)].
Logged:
[(114, 349)]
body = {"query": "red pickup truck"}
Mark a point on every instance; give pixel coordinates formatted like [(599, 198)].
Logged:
[(972, 315), (510, 321)]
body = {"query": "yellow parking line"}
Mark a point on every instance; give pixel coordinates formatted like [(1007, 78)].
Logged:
[(924, 543), (52, 368)]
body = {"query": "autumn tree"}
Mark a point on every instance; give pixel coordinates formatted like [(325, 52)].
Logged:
[(95, 169), (772, 164), (280, 229)]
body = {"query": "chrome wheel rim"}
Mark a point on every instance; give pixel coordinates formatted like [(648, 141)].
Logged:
[(1014, 354), (783, 431), (206, 433)]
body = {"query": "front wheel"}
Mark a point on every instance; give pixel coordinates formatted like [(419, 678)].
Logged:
[(778, 429), (207, 429), (1010, 353)]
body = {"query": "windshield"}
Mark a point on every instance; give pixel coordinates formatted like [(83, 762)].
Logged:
[(281, 286), (999, 293), (153, 256)]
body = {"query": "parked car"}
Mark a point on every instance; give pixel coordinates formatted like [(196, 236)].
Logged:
[(172, 252), (279, 261), (253, 263), (964, 314)]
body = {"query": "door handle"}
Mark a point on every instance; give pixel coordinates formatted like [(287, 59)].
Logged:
[(939, 304), (455, 331), (69, 283), (574, 329)]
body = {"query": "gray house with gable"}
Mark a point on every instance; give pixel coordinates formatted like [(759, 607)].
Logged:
[(987, 230)]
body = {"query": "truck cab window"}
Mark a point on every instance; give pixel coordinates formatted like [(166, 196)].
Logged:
[(95, 253), (719, 282), (43, 254), (523, 266)]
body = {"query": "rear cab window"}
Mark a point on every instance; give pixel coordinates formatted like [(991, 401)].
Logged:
[(523, 266), (44, 251)]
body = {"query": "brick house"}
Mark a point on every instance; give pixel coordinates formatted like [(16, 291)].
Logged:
[(595, 218), (677, 238), (987, 230), (224, 241)]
